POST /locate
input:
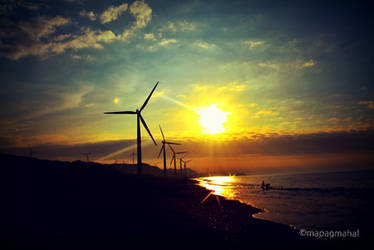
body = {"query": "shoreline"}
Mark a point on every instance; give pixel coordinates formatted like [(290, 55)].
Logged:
[(55, 206)]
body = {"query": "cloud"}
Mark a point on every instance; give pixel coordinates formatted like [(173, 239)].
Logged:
[(88, 39), (90, 14), (337, 119), (316, 143), (62, 37), (370, 104), (84, 57), (41, 37), (269, 65), (171, 26), (333, 119), (232, 87), (149, 36), (264, 113), (252, 44), (41, 27), (28, 38), (205, 45), (185, 25), (165, 41), (45, 103), (113, 12), (142, 13), (177, 26), (287, 144), (57, 101), (7, 7), (343, 143), (308, 64)]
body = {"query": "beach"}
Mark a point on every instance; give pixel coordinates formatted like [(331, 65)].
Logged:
[(57, 205)]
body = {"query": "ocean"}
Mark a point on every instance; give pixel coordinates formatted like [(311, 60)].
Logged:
[(313, 201)]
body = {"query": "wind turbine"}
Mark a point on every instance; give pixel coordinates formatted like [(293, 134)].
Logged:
[(138, 120), (185, 166), (180, 165), (132, 156), (163, 149), (175, 158), (31, 152), (87, 156)]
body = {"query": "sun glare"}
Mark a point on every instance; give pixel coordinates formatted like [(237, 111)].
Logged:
[(212, 119)]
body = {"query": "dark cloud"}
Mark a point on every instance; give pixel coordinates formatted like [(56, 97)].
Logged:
[(39, 36), (317, 143), (72, 152), (272, 145), (8, 6), (27, 37), (299, 144)]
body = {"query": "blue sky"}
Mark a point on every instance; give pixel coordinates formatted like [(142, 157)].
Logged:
[(285, 68)]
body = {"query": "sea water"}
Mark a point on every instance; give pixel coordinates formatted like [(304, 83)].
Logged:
[(339, 200)]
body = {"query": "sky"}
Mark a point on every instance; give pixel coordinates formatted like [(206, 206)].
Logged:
[(291, 80)]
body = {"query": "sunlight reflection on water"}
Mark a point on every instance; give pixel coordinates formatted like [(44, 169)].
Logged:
[(221, 185)]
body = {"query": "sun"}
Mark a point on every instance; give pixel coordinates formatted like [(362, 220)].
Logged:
[(212, 119), (116, 100)]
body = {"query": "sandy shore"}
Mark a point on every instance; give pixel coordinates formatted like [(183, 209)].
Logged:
[(53, 205)]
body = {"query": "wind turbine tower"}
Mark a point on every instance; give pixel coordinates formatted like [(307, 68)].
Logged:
[(174, 158), (87, 156), (133, 156), (185, 166), (32, 152), (139, 119), (163, 148)]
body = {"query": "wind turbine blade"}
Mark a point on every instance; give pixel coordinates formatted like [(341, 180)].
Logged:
[(172, 159), (172, 143), (149, 97), (120, 112), (171, 149), (184, 152), (163, 137), (163, 146), (146, 127)]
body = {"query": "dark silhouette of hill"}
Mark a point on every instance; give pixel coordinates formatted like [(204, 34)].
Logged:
[(79, 205)]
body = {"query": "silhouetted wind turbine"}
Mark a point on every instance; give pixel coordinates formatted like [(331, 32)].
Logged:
[(180, 165), (185, 166), (132, 156), (163, 149), (138, 120), (174, 158), (87, 156), (31, 152)]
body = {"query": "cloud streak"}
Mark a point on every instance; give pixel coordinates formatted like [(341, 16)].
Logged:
[(370, 104), (90, 14), (336, 146), (253, 44), (112, 13)]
